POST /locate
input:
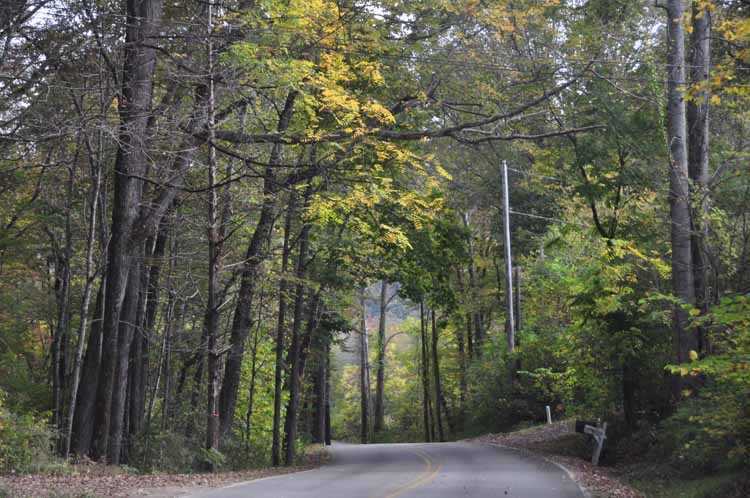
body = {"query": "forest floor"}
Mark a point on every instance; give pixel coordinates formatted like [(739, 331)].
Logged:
[(559, 443), (100, 481)]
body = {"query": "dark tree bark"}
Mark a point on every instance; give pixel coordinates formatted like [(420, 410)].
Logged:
[(83, 420), (328, 399), (253, 376), (141, 342), (460, 342), (128, 318), (85, 303), (477, 313), (364, 394), (253, 260), (280, 332), (295, 346), (143, 21), (321, 392), (425, 375), (683, 284), (517, 271), (62, 331), (379, 422), (438, 387)]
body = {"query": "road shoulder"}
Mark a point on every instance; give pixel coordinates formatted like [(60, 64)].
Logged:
[(547, 443)]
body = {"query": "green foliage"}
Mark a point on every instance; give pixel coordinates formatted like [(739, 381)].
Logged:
[(25, 442), (166, 451), (711, 429), (211, 458)]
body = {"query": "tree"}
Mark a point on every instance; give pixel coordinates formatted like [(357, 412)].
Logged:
[(679, 191)]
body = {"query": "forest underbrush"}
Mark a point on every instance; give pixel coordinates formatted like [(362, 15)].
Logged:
[(626, 470)]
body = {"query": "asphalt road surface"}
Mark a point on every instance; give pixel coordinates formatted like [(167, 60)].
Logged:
[(446, 470)]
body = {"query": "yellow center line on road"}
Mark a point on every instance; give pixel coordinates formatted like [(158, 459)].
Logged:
[(426, 476)]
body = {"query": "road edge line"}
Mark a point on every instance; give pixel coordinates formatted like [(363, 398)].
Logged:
[(250, 481), (584, 490)]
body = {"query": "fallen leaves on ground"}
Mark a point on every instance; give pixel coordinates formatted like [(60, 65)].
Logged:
[(101, 481)]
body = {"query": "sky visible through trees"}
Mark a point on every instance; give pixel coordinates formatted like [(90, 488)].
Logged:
[(234, 228)]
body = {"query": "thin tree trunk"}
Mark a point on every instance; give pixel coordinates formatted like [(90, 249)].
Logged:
[(85, 302), (213, 427), (363, 390), (251, 390), (438, 386), (698, 151), (295, 347), (380, 361), (128, 318), (685, 339), (83, 419), (321, 392), (328, 398), (477, 313), (141, 342), (172, 323), (280, 331), (63, 319), (518, 303), (425, 375), (460, 340)]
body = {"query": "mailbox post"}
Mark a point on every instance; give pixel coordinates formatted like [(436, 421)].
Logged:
[(599, 434)]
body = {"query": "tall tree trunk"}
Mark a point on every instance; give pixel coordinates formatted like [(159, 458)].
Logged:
[(253, 376), (517, 271), (425, 375), (364, 394), (174, 321), (83, 418), (85, 302), (698, 150), (380, 361), (328, 398), (460, 341), (438, 387), (295, 347), (62, 331), (280, 332), (213, 428), (143, 21), (476, 309), (242, 320), (321, 392), (685, 339), (128, 318), (141, 342)]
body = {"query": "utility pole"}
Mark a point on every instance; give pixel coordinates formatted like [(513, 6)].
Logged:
[(508, 262)]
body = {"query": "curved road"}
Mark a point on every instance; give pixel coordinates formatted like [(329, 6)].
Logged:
[(445, 470)]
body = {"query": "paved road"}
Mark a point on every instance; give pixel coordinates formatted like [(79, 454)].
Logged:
[(447, 470)]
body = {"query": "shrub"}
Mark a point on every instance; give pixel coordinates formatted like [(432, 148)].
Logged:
[(165, 451), (25, 442), (711, 428)]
